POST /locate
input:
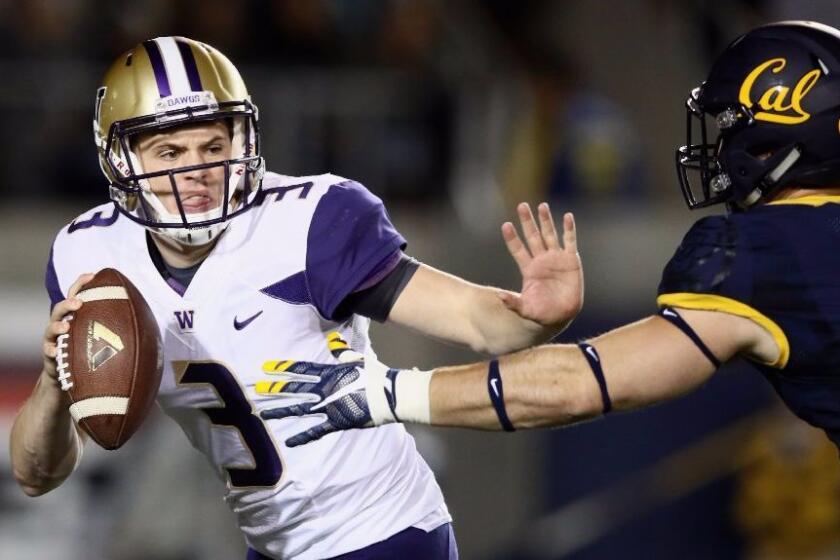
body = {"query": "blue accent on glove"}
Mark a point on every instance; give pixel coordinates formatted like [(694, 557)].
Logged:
[(347, 412)]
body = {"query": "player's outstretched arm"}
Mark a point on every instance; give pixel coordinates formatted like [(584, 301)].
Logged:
[(45, 444), (492, 320), (552, 385)]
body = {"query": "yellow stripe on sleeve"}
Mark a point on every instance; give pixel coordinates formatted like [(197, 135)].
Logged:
[(712, 302)]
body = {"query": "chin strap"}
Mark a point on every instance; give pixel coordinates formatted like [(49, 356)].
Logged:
[(192, 237), (768, 183)]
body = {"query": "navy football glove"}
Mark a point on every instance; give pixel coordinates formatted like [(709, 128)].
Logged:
[(359, 392), (335, 390)]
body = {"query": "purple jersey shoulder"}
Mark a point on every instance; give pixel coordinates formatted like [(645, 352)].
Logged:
[(351, 241)]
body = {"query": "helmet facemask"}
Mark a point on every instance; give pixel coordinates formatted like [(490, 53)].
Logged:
[(132, 188), (733, 168)]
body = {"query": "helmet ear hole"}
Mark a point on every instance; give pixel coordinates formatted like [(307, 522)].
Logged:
[(762, 151)]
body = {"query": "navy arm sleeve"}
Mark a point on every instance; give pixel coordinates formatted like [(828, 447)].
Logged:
[(351, 245), (376, 301)]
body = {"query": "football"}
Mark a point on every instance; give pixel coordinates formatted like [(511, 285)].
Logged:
[(110, 362)]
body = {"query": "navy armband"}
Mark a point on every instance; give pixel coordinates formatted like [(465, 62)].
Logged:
[(671, 315), (594, 360), (497, 395)]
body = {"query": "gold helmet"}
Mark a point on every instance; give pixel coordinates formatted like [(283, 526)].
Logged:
[(164, 83)]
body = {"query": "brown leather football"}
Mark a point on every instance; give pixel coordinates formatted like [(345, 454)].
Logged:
[(111, 360)]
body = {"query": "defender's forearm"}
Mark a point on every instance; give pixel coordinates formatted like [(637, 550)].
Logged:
[(44, 443), (551, 385)]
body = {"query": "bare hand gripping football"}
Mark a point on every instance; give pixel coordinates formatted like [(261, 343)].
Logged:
[(110, 361)]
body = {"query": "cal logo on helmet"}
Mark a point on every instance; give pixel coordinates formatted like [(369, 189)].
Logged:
[(778, 103)]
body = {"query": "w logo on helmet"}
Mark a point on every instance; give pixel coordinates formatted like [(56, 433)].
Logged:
[(779, 104)]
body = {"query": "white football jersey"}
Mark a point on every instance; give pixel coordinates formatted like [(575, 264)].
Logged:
[(270, 290)]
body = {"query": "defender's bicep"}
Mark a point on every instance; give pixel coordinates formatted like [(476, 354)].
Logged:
[(652, 360)]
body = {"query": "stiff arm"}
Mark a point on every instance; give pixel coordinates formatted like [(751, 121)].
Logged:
[(551, 385)]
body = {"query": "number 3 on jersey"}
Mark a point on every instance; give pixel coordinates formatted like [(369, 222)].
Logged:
[(235, 411)]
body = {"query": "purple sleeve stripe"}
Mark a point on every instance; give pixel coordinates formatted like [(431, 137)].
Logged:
[(51, 283), (158, 67), (189, 64), (351, 243)]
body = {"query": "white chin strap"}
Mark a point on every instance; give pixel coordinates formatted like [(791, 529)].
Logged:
[(186, 236), (773, 176)]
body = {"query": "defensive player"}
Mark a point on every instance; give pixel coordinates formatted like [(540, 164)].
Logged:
[(239, 265), (760, 282)]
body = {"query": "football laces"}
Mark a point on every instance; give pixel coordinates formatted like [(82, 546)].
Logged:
[(61, 364)]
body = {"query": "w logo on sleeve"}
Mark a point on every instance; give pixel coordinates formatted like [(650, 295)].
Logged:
[(185, 320)]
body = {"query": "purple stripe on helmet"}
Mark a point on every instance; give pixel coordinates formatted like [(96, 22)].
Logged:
[(189, 64), (157, 65)]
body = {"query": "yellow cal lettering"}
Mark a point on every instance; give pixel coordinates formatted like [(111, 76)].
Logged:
[(774, 102), (746, 87), (774, 99)]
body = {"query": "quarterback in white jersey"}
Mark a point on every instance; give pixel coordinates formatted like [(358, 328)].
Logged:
[(298, 502), (240, 266)]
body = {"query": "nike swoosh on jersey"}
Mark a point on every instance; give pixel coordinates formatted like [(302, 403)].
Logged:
[(591, 352), (239, 325)]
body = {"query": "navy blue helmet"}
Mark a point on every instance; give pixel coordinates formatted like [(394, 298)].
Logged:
[(774, 96)]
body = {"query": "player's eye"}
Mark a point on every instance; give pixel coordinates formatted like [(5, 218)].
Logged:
[(167, 154), (214, 149)]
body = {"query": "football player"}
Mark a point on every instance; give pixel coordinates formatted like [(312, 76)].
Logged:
[(759, 282), (239, 265)]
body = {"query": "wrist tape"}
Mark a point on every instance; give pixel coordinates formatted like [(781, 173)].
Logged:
[(397, 395)]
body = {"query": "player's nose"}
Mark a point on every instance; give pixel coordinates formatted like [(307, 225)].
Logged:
[(192, 158)]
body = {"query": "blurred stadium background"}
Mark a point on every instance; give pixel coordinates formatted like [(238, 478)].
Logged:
[(451, 112)]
